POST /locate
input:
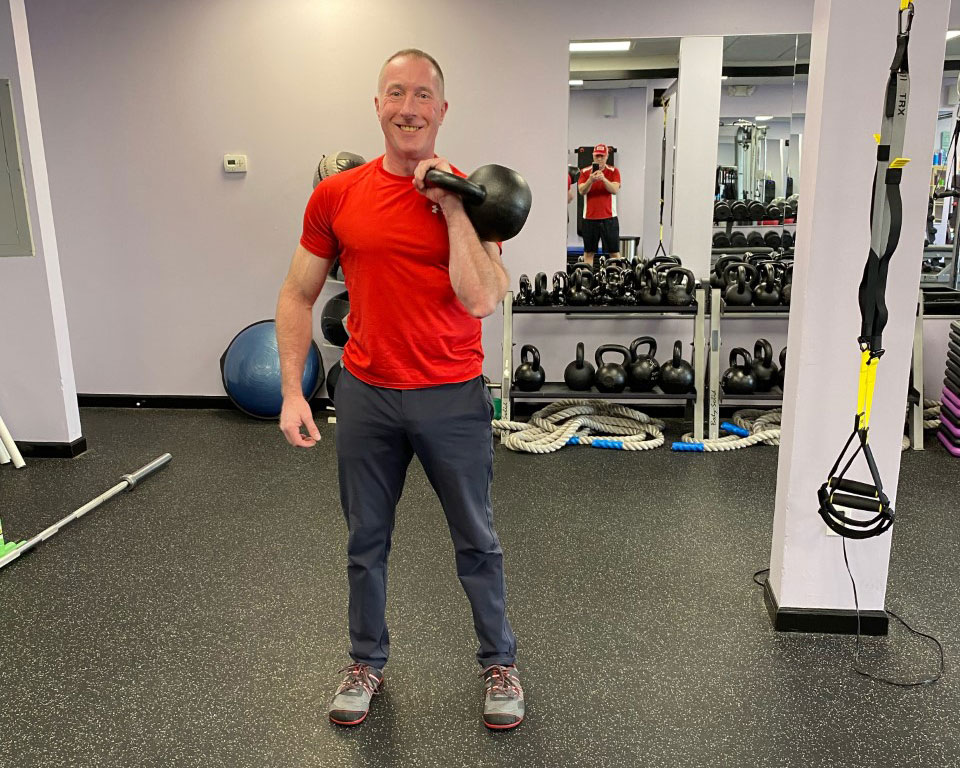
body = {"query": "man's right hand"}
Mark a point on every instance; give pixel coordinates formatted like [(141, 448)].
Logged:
[(295, 414)]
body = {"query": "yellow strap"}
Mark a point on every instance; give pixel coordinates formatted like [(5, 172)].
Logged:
[(904, 4), (868, 380), (876, 137), (899, 162)]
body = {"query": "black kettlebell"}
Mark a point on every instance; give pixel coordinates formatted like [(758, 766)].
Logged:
[(560, 283), (611, 377), (579, 374), (529, 376), (541, 296), (739, 379), (767, 293), (496, 199), (524, 296), (680, 284), (738, 292), (764, 369), (643, 373), (716, 278), (782, 373), (676, 375), (650, 293), (579, 291)]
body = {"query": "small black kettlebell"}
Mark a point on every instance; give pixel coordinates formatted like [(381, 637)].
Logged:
[(764, 369), (643, 374), (739, 292), (579, 374), (524, 296), (787, 285), (580, 291), (676, 375), (541, 296), (560, 282), (612, 377), (781, 374), (739, 379), (767, 293), (529, 376)]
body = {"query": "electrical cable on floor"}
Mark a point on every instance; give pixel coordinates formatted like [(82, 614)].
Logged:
[(856, 658)]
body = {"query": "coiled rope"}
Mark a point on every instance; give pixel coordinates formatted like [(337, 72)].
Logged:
[(746, 427), (597, 423)]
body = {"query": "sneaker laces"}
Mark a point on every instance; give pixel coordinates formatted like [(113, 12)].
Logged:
[(357, 677), (501, 681)]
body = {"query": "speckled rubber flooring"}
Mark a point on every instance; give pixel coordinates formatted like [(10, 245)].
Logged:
[(200, 619)]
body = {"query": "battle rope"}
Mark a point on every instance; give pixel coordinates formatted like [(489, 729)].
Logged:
[(838, 496), (575, 422), (746, 427)]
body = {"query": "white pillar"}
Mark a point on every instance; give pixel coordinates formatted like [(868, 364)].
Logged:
[(849, 63), (38, 395), (698, 120)]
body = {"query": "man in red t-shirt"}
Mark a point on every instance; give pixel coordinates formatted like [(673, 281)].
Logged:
[(419, 280), (599, 185)]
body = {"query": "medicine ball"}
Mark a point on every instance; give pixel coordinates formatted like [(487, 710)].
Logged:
[(332, 164), (250, 371), (333, 319)]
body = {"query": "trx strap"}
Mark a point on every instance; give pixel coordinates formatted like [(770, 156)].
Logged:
[(663, 167), (837, 496)]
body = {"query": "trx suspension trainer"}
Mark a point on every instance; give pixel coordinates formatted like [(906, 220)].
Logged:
[(838, 496)]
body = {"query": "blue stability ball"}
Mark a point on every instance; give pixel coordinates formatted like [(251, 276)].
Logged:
[(250, 368)]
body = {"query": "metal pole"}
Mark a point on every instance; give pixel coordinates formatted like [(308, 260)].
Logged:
[(127, 483)]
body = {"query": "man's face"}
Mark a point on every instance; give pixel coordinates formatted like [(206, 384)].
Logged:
[(410, 107), (601, 159)]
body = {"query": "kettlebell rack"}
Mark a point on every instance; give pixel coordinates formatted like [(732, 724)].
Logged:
[(720, 310), (644, 314)]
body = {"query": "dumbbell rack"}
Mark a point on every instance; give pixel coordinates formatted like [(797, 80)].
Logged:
[(559, 390), (761, 225), (719, 309)]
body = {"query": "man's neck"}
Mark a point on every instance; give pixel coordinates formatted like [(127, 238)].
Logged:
[(402, 165)]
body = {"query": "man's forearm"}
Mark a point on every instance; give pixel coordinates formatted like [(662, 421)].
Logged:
[(294, 333), (478, 280)]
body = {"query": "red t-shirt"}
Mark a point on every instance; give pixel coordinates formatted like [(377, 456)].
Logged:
[(600, 203), (407, 327)]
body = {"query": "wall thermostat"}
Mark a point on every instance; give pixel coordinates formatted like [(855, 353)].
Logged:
[(235, 163)]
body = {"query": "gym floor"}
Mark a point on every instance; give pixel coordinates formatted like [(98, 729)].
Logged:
[(200, 619)]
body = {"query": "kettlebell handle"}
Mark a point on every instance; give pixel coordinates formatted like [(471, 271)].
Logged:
[(529, 349), (743, 354), (638, 342), (470, 192), (579, 354), (763, 351), (677, 352), (618, 348)]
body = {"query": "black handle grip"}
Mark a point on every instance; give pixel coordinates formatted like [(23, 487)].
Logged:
[(854, 486), (470, 192), (856, 502)]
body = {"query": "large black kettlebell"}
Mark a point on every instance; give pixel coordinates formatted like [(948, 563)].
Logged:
[(611, 377), (579, 374), (497, 199), (764, 369), (643, 373), (580, 290), (739, 379), (680, 284), (676, 375), (650, 293), (529, 376), (716, 278)]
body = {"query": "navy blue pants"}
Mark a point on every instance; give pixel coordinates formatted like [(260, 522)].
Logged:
[(448, 428)]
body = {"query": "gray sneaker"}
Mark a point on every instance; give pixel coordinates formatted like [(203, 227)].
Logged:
[(351, 702), (503, 699)]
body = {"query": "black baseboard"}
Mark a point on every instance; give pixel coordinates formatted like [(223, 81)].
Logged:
[(823, 619), (52, 450), (220, 402)]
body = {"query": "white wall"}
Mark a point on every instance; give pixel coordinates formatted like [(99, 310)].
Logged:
[(626, 131), (164, 258)]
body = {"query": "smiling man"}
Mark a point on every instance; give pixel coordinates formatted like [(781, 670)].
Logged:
[(419, 281)]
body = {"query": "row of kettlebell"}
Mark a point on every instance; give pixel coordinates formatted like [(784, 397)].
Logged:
[(753, 374), (661, 280), (757, 279), (639, 371)]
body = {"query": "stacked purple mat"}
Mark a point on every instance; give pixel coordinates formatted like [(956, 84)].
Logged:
[(949, 432)]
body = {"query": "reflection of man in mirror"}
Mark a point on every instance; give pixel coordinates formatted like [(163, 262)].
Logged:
[(599, 184)]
